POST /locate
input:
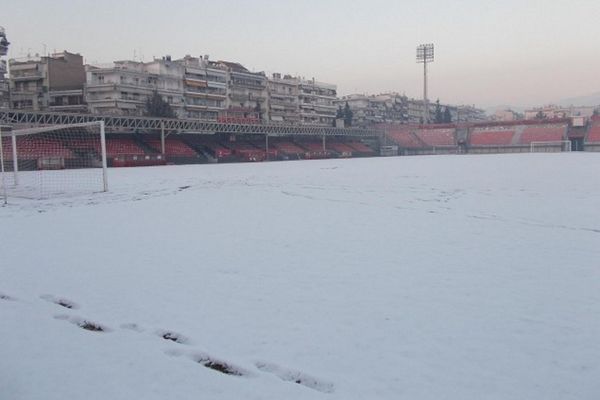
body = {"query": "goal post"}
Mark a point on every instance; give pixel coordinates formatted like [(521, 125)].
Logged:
[(51, 161), (553, 146), (4, 190)]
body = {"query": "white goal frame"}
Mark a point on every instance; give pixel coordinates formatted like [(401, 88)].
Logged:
[(565, 145), (14, 134)]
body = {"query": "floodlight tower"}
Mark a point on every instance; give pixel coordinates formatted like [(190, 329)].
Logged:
[(3, 42), (425, 56), (3, 81)]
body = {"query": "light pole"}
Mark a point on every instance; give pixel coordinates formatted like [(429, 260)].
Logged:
[(425, 56)]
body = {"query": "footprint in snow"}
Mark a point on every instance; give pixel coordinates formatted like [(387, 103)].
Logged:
[(83, 323), (218, 365), (297, 377), (173, 337), (61, 301), (6, 297), (212, 363)]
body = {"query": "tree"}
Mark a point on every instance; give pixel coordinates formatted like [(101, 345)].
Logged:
[(157, 107), (439, 117), (348, 115), (540, 115), (258, 110), (338, 115), (447, 116)]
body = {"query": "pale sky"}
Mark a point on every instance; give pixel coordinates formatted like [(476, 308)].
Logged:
[(487, 52)]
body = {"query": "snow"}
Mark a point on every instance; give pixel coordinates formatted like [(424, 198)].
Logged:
[(435, 277)]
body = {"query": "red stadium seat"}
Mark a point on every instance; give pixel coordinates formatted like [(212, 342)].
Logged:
[(492, 137), (543, 133)]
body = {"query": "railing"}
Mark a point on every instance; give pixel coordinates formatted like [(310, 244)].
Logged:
[(37, 75), (144, 124), (203, 91)]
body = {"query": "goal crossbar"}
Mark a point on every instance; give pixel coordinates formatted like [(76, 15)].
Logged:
[(42, 129)]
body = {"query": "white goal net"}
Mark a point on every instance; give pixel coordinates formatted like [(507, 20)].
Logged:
[(62, 160), (550, 146)]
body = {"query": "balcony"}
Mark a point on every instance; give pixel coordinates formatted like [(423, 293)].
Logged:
[(27, 77), (277, 99), (25, 94), (203, 107), (195, 81), (69, 108), (220, 94), (245, 97), (249, 84)]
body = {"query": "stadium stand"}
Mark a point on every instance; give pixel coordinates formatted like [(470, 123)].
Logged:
[(212, 145), (123, 146), (288, 149), (361, 148), (342, 149), (405, 137), (492, 137), (246, 151), (314, 149), (173, 147), (436, 137), (144, 149), (593, 135), (543, 133), (33, 148)]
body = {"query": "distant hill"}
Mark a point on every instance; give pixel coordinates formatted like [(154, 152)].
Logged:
[(588, 100)]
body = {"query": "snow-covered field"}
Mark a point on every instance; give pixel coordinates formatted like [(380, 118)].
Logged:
[(440, 277)]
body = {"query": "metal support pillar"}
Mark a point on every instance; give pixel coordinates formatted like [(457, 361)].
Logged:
[(267, 146), (13, 138), (104, 156), (162, 138), (3, 178)]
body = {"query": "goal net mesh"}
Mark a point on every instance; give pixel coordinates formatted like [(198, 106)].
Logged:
[(550, 146), (41, 163)]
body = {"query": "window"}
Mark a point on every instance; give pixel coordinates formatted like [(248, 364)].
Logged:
[(100, 78)]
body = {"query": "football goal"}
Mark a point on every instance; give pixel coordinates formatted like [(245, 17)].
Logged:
[(53, 161), (550, 146)]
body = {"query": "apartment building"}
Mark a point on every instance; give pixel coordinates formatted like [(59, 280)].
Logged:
[(506, 115), (284, 104), (317, 102), (247, 95), (48, 83), (370, 110), (123, 87), (554, 111), (460, 113), (4, 93), (204, 87)]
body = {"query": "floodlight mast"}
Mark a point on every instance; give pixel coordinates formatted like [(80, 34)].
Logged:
[(425, 56)]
